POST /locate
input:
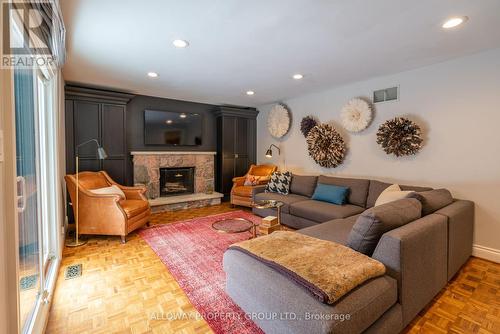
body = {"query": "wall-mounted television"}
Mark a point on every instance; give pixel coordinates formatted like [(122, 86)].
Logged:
[(172, 128)]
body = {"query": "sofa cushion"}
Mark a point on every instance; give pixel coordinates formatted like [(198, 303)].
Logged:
[(358, 188), (330, 194), (134, 207), (374, 222), (322, 211), (376, 188), (279, 183), (336, 230), (433, 200), (303, 185), (286, 199)]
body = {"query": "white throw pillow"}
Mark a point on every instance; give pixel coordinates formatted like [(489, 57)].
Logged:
[(391, 194), (112, 190)]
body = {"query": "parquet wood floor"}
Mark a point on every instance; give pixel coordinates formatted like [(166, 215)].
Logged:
[(124, 286)]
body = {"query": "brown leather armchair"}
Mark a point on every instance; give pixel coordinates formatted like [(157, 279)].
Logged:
[(241, 194), (107, 214)]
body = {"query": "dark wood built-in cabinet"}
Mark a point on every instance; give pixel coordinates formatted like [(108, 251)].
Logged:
[(236, 144), (99, 114)]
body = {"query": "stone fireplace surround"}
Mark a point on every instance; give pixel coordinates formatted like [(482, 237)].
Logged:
[(147, 166)]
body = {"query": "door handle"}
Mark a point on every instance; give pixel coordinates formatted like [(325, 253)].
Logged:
[(21, 194)]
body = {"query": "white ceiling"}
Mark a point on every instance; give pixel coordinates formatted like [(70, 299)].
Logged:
[(238, 45)]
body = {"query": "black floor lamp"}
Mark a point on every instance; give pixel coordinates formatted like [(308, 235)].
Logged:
[(101, 154)]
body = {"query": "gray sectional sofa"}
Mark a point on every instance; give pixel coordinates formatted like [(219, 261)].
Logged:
[(420, 257)]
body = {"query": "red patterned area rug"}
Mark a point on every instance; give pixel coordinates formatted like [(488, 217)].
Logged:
[(192, 251)]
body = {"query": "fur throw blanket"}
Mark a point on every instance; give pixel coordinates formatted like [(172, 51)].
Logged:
[(326, 269)]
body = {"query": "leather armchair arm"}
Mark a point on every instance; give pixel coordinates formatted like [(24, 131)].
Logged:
[(134, 192), (239, 181), (130, 192)]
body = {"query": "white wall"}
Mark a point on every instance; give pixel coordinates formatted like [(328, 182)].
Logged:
[(457, 104)]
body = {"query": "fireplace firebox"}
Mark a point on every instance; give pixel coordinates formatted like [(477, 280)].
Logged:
[(176, 181)]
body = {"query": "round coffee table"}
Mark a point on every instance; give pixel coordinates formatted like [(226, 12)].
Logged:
[(235, 225)]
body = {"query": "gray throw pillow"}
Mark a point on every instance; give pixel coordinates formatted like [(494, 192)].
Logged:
[(433, 200), (374, 222)]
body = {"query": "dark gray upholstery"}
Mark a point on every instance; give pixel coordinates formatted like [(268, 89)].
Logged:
[(296, 222), (358, 188), (336, 230), (303, 185), (420, 256), (391, 322), (376, 188), (322, 211), (460, 216), (259, 289), (257, 190), (374, 222), (416, 256), (433, 200), (286, 199)]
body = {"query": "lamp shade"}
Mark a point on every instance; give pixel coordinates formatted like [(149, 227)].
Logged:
[(101, 153), (269, 153)]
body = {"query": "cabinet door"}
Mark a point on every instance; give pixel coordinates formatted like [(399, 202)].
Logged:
[(241, 147), (227, 174), (86, 116), (86, 127), (228, 136), (241, 136), (114, 141)]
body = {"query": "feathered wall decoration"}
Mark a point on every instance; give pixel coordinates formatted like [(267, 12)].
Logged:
[(278, 121), (307, 124), (400, 136), (356, 115), (326, 146)]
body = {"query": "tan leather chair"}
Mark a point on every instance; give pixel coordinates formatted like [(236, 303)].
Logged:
[(241, 194), (107, 214)]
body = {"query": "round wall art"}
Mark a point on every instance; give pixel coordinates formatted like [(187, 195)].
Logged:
[(278, 121), (307, 124), (400, 136), (326, 146), (356, 115)]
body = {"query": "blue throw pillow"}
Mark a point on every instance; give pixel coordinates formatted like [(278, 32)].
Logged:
[(331, 194)]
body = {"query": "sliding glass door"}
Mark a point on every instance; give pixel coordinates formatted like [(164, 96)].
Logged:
[(28, 189), (38, 185)]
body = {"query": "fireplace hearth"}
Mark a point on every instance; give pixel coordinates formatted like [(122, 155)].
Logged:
[(176, 181)]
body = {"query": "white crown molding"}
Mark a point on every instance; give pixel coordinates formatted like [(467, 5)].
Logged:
[(486, 253), (172, 153)]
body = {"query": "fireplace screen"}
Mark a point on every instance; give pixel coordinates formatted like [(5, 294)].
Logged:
[(176, 181)]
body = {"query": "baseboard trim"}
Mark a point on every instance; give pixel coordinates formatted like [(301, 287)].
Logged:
[(486, 253)]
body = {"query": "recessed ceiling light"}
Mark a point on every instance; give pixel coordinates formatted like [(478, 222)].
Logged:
[(180, 43), (250, 92), (153, 75), (297, 76), (169, 121), (454, 21), (182, 115)]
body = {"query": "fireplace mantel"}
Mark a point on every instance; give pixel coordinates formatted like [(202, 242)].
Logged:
[(172, 153)]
